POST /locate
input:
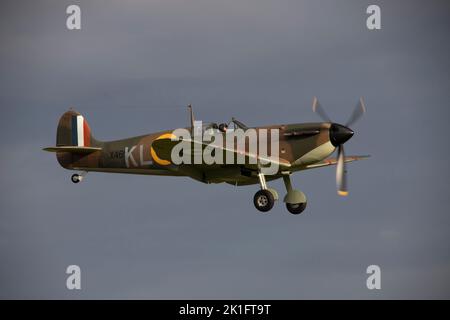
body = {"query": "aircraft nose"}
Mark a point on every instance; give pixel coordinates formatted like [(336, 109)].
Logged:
[(339, 134)]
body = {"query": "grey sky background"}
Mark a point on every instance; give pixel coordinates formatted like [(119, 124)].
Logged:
[(132, 69)]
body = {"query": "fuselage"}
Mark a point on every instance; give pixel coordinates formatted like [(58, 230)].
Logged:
[(300, 144)]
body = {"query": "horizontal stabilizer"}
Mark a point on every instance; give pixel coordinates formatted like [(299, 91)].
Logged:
[(72, 149)]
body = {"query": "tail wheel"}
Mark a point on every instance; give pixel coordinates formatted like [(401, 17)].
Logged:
[(263, 200), (75, 178), (296, 208)]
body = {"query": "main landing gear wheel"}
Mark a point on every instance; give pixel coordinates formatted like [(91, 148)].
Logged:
[(296, 208), (263, 200), (295, 199), (76, 178)]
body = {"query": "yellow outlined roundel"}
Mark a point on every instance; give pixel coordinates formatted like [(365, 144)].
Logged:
[(155, 157)]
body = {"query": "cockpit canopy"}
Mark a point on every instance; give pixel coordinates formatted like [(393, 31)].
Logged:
[(214, 127)]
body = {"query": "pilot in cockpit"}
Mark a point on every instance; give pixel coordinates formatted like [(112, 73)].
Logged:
[(223, 127)]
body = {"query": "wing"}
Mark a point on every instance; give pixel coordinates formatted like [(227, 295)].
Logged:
[(333, 161), (163, 149), (72, 149)]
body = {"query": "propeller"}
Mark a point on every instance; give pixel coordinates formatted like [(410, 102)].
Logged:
[(339, 134)]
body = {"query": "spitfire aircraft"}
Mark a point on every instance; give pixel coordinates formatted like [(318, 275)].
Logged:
[(300, 146)]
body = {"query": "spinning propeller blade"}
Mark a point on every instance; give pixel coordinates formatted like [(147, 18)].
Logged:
[(341, 173), (359, 110), (317, 108)]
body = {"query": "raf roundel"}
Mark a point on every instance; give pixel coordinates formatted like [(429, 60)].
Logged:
[(155, 157)]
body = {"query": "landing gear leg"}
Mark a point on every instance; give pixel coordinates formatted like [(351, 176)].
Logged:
[(78, 177), (295, 199), (265, 198)]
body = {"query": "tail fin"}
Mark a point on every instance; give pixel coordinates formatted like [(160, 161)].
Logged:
[(73, 130)]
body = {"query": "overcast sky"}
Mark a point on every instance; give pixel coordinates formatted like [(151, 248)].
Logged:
[(133, 67)]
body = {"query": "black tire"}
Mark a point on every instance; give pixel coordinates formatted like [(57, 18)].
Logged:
[(75, 178), (296, 208), (263, 200)]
